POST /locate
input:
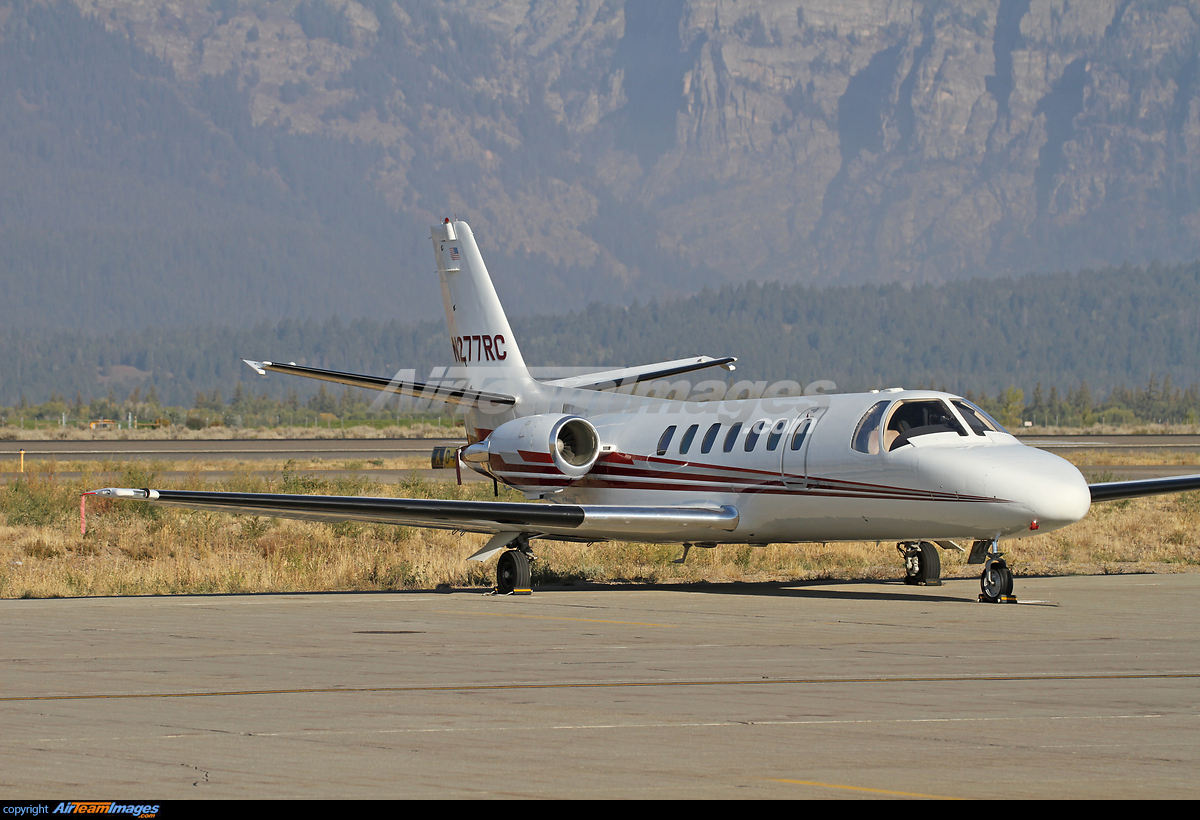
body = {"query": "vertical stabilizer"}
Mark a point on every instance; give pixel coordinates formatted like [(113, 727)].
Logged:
[(479, 331), (485, 351)]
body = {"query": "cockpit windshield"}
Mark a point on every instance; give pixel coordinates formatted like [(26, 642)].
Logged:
[(979, 421), (921, 417)]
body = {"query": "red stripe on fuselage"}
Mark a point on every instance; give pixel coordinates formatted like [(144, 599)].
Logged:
[(644, 472)]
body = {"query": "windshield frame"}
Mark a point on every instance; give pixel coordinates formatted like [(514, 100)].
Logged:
[(958, 404)]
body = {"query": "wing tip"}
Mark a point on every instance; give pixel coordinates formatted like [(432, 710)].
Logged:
[(258, 367)]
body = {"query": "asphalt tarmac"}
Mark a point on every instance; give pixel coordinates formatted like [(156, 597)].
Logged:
[(1087, 689)]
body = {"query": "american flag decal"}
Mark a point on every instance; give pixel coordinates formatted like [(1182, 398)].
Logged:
[(454, 254)]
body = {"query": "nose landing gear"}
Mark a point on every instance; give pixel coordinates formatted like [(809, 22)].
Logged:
[(996, 582)]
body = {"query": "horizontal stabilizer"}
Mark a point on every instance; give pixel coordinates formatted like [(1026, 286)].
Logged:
[(1118, 490), (577, 522), (609, 379), (449, 392)]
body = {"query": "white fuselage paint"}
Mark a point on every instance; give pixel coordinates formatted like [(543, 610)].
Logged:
[(939, 486)]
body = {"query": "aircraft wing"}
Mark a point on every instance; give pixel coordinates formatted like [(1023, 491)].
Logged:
[(444, 391), (1117, 490), (571, 521), (646, 372)]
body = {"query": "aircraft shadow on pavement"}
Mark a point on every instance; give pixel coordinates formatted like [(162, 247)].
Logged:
[(863, 590)]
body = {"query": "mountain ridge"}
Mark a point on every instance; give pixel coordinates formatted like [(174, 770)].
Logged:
[(239, 160)]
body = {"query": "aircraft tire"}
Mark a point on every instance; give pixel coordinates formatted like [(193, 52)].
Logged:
[(995, 582), (931, 565), (512, 572), (922, 564)]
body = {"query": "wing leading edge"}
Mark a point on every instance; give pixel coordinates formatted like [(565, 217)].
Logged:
[(609, 379), (1118, 490), (582, 522), (444, 391)]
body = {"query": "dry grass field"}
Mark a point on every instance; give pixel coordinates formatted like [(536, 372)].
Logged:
[(136, 549)]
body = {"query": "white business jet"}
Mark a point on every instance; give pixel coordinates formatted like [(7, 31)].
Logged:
[(917, 467)]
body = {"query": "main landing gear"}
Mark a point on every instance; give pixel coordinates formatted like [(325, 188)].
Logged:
[(922, 565), (996, 582), (512, 570)]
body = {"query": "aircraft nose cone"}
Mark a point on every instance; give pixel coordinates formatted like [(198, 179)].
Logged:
[(1054, 490)]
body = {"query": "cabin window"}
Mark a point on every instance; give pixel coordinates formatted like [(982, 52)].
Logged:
[(798, 436), (776, 434), (685, 443), (976, 419), (866, 434), (709, 438), (665, 441), (910, 419), (756, 430), (731, 436)]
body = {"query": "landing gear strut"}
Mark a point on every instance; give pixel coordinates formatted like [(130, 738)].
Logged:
[(512, 570), (922, 565), (996, 582)]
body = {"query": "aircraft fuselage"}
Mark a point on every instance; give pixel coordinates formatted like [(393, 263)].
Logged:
[(790, 467)]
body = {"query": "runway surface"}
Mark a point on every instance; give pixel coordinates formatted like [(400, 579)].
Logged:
[(856, 690), (303, 451), (244, 449), (335, 450), (252, 449), (1105, 442)]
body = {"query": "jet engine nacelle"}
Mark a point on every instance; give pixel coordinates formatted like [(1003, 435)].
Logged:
[(548, 451)]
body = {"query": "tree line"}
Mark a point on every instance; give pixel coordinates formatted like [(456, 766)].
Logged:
[(1156, 402), (1101, 332)]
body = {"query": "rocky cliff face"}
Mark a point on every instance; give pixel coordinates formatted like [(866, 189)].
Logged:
[(818, 140)]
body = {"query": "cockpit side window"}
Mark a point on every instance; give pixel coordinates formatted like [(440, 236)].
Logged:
[(866, 434), (910, 419), (979, 421)]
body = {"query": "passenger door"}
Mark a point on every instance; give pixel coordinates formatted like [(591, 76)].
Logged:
[(794, 464)]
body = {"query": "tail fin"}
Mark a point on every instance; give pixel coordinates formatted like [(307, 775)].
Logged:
[(479, 331)]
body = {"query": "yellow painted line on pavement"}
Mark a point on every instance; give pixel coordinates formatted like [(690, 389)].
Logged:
[(888, 792)]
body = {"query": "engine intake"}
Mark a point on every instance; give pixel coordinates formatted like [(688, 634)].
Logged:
[(548, 451)]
